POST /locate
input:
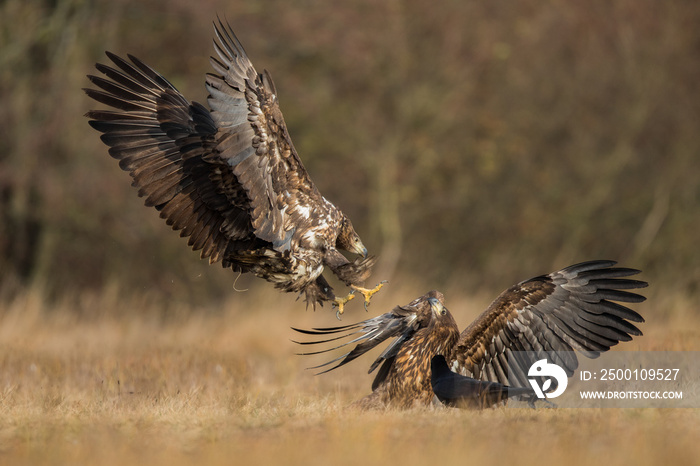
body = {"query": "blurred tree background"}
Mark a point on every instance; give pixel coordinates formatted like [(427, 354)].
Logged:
[(473, 144)]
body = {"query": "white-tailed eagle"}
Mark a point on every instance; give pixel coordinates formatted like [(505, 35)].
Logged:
[(228, 177), (573, 309)]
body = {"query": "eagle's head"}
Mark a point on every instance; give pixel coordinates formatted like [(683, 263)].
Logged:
[(434, 317), (349, 240), (429, 311)]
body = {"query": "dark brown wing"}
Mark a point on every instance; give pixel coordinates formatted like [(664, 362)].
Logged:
[(401, 322), (253, 140), (368, 334), (161, 140), (222, 177), (572, 309)]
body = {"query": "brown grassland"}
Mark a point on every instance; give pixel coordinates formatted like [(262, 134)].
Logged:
[(209, 387)]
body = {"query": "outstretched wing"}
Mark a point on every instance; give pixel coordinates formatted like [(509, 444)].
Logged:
[(572, 309), (161, 140), (412, 326), (253, 140), (400, 322), (221, 177)]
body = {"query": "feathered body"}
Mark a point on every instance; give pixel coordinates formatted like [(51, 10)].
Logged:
[(227, 177), (404, 377), (573, 309)]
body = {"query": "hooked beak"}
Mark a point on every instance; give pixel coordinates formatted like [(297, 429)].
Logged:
[(436, 306), (360, 249)]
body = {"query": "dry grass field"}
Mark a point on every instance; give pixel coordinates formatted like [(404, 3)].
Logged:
[(135, 384)]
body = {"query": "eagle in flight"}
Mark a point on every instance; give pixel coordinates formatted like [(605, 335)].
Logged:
[(574, 309), (228, 177)]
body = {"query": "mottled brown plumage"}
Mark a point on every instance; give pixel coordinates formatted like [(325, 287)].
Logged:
[(423, 328), (565, 311), (403, 379), (228, 177)]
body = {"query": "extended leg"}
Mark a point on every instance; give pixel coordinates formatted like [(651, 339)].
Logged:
[(341, 302), (367, 293)]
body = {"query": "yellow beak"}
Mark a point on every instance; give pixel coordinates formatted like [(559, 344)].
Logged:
[(436, 306)]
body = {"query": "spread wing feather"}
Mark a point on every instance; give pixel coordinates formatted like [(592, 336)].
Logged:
[(221, 177), (401, 323), (253, 140), (160, 139), (568, 310)]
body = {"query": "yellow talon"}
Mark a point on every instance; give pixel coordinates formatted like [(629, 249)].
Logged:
[(341, 302), (367, 293)]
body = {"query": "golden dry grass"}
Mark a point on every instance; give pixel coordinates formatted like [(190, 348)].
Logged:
[(127, 386)]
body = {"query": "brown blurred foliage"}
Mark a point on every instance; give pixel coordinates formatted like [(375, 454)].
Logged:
[(474, 144)]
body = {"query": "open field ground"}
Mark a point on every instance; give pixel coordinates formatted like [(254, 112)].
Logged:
[(224, 387)]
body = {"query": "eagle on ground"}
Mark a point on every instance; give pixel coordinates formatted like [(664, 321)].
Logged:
[(228, 177), (574, 309)]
